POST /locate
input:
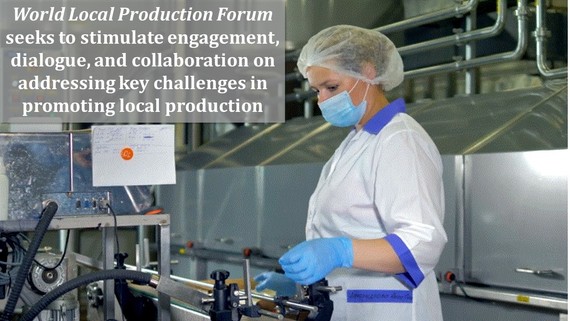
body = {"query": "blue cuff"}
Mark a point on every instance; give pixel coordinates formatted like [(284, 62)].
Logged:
[(413, 275)]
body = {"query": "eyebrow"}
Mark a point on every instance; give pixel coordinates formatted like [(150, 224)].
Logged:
[(327, 83)]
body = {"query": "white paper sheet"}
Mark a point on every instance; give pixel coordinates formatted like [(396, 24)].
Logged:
[(126, 155)]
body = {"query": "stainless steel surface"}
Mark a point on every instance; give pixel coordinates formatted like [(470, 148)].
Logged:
[(231, 203), (518, 120), (517, 204), (508, 125)]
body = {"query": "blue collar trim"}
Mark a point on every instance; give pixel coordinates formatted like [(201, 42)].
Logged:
[(384, 116)]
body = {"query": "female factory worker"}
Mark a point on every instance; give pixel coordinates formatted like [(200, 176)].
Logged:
[(374, 222)]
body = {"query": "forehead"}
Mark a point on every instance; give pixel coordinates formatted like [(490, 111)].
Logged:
[(318, 76)]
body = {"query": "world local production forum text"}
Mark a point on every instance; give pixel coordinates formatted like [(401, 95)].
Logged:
[(202, 64)]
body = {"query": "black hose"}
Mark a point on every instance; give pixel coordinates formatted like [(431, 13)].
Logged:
[(51, 296), (47, 214)]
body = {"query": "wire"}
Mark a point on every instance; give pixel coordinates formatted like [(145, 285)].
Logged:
[(115, 228), (40, 264), (460, 286), (60, 260)]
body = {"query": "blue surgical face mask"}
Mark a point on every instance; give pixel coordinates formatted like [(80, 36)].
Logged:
[(340, 111)]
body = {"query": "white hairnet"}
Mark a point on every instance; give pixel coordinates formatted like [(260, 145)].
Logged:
[(346, 49)]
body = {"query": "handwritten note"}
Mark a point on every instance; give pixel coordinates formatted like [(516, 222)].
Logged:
[(126, 155)]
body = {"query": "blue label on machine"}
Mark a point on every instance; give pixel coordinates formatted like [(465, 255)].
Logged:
[(377, 296)]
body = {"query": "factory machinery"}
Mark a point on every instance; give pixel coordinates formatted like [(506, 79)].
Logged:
[(240, 200), (49, 189), (505, 156)]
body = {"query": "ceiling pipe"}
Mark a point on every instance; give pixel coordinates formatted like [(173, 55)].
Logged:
[(463, 37), (542, 33), (522, 44), (457, 11)]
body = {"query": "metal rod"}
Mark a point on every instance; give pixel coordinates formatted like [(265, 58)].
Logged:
[(247, 282), (71, 173)]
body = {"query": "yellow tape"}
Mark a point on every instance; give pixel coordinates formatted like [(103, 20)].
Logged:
[(523, 298)]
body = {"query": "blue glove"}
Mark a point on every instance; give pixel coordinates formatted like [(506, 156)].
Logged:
[(310, 261), (282, 285)]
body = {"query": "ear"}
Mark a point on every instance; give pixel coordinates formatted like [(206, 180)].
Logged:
[(369, 71)]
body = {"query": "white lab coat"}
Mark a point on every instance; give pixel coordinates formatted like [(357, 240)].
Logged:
[(384, 181)]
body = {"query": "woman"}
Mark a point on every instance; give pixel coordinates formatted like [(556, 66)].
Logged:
[(374, 222)]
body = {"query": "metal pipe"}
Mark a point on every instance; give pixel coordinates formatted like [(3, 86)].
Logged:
[(462, 37), (470, 74), (541, 34), (458, 10), (521, 13)]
